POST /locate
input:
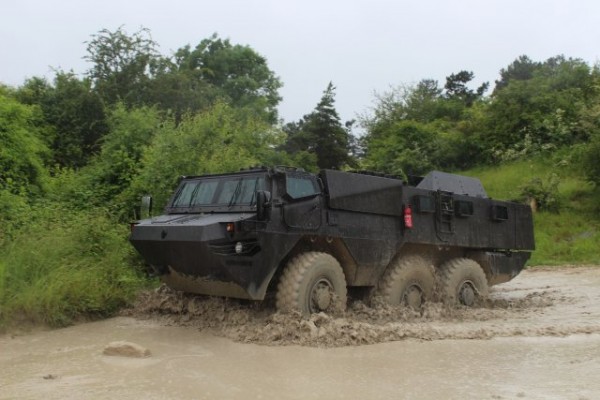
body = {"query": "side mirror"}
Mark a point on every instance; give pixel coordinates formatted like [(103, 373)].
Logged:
[(263, 202), (146, 207)]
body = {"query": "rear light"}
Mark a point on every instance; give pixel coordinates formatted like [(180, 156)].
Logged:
[(408, 221), (230, 227), (131, 226)]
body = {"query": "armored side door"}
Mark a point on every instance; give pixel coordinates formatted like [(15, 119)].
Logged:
[(302, 207)]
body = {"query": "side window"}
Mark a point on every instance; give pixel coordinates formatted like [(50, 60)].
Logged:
[(298, 187), (463, 208), (499, 213)]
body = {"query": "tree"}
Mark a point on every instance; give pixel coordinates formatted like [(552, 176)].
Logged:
[(240, 74), (322, 134), (110, 175), (22, 152), (520, 69), (122, 65), (74, 115), (423, 126), (221, 139), (456, 88), (403, 148), (537, 109)]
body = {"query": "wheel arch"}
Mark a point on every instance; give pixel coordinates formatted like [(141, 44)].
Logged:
[(331, 245)]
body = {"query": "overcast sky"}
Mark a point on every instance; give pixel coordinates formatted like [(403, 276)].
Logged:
[(361, 46)]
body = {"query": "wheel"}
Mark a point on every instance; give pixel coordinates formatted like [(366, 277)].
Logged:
[(462, 281), (312, 282), (407, 281)]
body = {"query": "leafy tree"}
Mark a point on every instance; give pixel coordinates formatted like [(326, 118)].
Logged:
[(322, 134), (22, 152), (72, 116), (415, 128), (240, 74), (221, 139), (521, 69), (456, 88), (590, 122), (529, 115), (22, 162), (423, 103), (106, 180), (128, 69), (178, 92), (403, 148), (122, 65)]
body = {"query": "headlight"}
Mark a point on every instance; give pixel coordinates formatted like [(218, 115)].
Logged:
[(239, 247)]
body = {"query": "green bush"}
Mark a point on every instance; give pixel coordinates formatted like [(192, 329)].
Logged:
[(64, 266), (14, 214), (543, 193), (221, 139)]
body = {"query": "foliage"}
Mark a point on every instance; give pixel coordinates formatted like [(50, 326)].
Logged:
[(416, 128), (241, 75), (22, 151), (536, 107), (570, 236), (107, 178), (404, 148), (321, 133), (75, 113), (543, 193), (590, 121), (591, 160), (456, 88), (221, 139), (15, 213), (122, 65), (64, 266), (128, 69)]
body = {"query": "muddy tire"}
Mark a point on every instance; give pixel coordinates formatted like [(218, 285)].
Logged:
[(462, 281), (312, 282), (408, 281)]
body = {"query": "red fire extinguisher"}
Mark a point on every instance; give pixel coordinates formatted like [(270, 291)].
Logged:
[(408, 222)]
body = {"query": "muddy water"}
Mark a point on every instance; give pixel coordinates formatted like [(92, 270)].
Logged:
[(537, 338)]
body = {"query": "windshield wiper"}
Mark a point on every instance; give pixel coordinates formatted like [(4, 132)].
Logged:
[(194, 194), (235, 194), (254, 192)]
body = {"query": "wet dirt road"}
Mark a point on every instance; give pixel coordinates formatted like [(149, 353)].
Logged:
[(539, 338)]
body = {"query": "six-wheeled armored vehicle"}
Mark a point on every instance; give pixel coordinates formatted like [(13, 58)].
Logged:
[(310, 238)]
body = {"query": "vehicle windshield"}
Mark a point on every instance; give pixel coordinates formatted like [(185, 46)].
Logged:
[(221, 192)]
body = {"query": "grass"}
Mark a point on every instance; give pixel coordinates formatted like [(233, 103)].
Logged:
[(67, 265), (569, 236)]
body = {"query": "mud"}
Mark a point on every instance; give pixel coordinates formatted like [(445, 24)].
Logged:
[(538, 337), (511, 310)]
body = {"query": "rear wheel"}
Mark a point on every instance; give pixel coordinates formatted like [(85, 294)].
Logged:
[(462, 281), (408, 281), (312, 282)]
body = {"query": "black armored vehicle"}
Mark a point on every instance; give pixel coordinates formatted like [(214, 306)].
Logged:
[(310, 238)]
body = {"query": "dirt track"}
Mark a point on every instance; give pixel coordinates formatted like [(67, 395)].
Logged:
[(537, 338)]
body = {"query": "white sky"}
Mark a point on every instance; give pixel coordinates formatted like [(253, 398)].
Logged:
[(362, 46)]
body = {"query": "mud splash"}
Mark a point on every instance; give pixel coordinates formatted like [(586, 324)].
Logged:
[(510, 311)]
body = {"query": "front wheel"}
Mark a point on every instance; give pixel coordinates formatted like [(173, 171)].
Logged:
[(462, 281), (312, 282)]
